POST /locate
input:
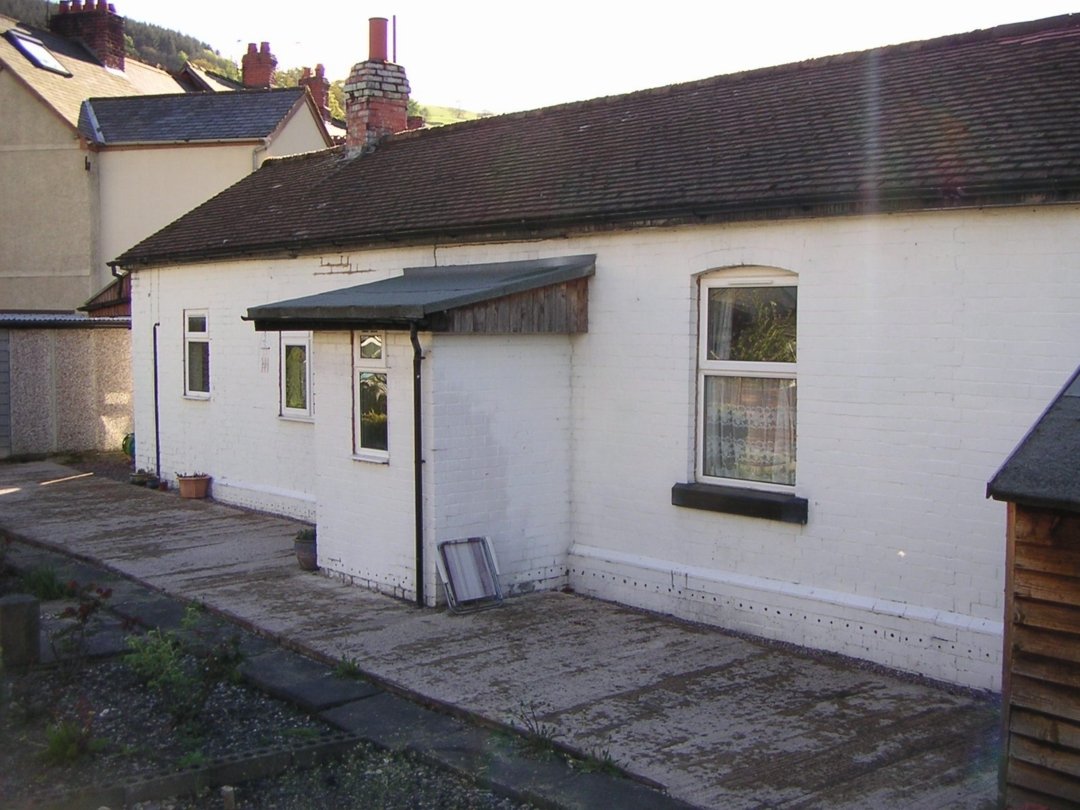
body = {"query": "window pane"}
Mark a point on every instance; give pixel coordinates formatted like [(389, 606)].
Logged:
[(750, 429), (372, 400), (296, 394), (371, 347), (196, 323), (198, 366), (753, 324)]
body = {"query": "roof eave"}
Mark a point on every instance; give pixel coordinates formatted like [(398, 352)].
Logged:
[(848, 204)]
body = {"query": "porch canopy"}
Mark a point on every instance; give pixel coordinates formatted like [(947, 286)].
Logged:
[(527, 297)]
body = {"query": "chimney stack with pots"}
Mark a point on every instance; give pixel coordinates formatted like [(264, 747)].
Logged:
[(97, 26), (319, 87), (376, 94), (257, 66)]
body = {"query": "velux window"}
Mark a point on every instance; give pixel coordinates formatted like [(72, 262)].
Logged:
[(746, 379), (196, 353), (34, 50), (369, 397), (296, 374)]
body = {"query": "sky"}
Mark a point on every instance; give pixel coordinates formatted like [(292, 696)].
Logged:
[(499, 56)]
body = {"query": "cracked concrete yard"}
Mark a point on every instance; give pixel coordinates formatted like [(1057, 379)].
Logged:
[(718, 720)]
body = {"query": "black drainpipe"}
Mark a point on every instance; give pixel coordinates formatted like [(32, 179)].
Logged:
[(157, 410), (418, 465)]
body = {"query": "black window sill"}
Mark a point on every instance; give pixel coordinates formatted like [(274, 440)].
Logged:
[(738, 501)]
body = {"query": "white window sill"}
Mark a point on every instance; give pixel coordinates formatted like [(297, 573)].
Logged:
[(372, 457), (197, 397), (297, 417)]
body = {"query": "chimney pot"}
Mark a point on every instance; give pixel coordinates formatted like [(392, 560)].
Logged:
[(257, 66), (76, 5), (264, 47), (377, 39), (102, 32), (251, 47), (64, 4)]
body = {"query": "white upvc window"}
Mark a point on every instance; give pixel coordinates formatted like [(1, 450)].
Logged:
[(747, 379), (370, 416), (197, 353), (296, 378)]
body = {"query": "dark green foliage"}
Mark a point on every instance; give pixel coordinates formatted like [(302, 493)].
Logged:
[(46, 585)]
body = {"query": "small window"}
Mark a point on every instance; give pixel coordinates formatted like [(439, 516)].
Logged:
[(746, 380), (34, 50), (371, 438), (196, 354), (296, 374)]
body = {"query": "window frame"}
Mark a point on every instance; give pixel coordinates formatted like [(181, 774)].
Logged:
[(285, 341), (749, 277), (368, 365), (193, 337)]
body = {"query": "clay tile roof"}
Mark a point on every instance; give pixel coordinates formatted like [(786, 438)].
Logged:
[(986, 117), (246, 114)]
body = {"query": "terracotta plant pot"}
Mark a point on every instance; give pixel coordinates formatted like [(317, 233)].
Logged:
[(193, 486), (305, 549)]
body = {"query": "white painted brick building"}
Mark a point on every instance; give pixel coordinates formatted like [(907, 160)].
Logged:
[(930, 335)]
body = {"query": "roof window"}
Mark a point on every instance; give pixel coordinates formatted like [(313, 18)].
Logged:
[(35, 50)]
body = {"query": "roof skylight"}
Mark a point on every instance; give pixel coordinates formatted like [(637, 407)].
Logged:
[(35, 50)]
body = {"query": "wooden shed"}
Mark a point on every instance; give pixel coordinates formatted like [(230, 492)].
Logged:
[(1041, 683)]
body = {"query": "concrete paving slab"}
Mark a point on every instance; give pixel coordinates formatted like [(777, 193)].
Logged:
[(719, 720), (300, 680)]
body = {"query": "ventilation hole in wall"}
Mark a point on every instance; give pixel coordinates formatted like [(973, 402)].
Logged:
[(875, 632), (846, 624), (819, 621), (714, 598), (892, 635), (740, 604), (624, 582)]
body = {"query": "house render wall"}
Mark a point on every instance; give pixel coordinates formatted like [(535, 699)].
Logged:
[(143, 190), (300, 134), (47, 226), (927, 346), (500, 454), (258, 458), (70, 389), (365, 508)]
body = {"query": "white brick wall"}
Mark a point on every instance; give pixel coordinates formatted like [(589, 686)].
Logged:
[(928, 344), (500, 456)]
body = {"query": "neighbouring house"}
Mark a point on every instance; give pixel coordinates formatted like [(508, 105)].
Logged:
[(98, 151), (1041, 691), (743, 350)]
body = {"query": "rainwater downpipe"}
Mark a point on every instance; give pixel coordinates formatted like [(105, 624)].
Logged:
[(157, 410), (418, 464)]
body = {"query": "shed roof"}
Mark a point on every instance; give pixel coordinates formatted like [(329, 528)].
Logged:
[(180, 117), (1044, 469), (418, 294), (972, 119)]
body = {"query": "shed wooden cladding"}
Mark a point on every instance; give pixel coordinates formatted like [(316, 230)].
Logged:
[(1042, 658), (557, 309)]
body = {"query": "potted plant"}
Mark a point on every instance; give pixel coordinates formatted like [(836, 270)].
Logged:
[(193, 485), (305, 549)]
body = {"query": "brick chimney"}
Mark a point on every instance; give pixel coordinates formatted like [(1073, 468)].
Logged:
[(257, 66), (376, 94), (97, 26), (319, 87)]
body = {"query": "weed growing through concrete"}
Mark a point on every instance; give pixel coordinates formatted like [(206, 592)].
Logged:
[(348, 667), (44, 583), (540, 736)]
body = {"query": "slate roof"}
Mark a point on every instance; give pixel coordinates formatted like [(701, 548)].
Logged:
[(1044, 469), (981, 118), (65, 94), (419, 293), (240, 115)]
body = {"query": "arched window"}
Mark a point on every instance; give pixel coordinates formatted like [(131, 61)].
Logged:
[(747, 378)]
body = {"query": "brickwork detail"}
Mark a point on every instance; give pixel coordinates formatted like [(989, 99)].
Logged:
[(376, 102), (98, 26), (258, 66)]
